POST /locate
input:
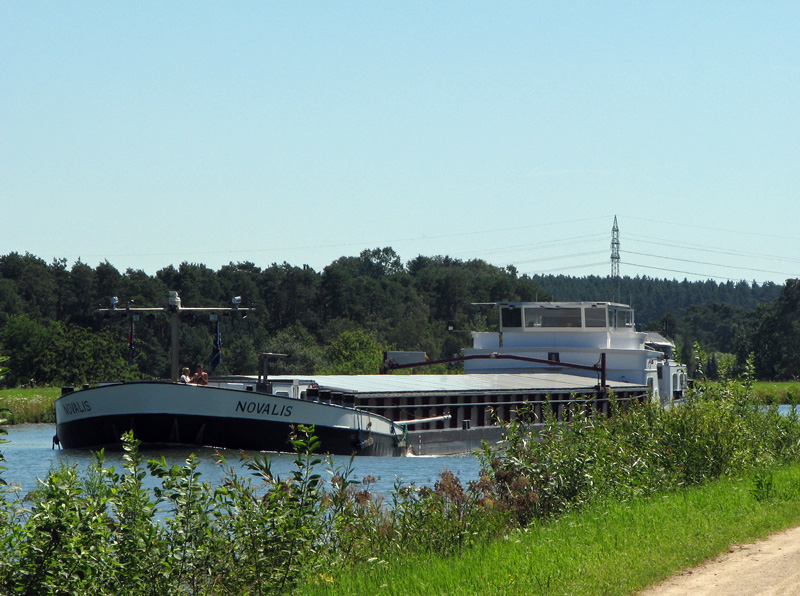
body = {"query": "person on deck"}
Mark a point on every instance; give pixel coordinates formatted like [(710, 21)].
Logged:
[(185, 375), (200, 376)]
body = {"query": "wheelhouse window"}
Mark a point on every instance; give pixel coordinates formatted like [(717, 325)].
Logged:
[(533, 317), (552, 317), (511, 317), (595, 316), (621, 318)]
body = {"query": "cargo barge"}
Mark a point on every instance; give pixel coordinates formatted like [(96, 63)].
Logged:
[(548, 359)]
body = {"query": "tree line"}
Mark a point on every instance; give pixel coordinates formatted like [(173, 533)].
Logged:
[(52, 330)]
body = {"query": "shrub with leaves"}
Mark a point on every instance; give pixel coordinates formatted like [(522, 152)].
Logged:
[(546, 469), (276, 525)]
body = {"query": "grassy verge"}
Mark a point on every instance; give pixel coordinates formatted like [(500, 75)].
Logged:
[(773, 392), (28, 405), (610, 548)]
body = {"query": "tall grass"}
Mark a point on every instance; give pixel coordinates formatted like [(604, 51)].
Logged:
[(29, 405), (774, 392), (608, 506)]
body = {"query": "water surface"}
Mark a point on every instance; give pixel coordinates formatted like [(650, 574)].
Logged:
[(29, 455)]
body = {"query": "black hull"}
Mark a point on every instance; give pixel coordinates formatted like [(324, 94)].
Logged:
[(224, 433)]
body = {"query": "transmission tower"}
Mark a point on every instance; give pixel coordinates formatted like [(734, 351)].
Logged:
[(615, 249)]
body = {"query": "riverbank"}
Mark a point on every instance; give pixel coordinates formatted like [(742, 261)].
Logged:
[(774, 392), (28, 405), (611, 548)]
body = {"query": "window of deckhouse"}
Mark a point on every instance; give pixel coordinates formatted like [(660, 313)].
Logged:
[(533, 317), (511, 317), (620, 318), (595, 316), (626, 318), (552, 317)]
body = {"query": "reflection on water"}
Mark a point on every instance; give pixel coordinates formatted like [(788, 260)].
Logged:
[(29, 455)]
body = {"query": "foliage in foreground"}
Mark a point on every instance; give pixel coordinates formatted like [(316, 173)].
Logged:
[(3, 414), (103, 532), (720, 430)]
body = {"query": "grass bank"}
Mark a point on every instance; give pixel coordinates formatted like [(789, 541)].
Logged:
[(777, 392), (26, 406), (610, 548)]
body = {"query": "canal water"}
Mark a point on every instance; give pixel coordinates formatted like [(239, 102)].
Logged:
[(29, 455)]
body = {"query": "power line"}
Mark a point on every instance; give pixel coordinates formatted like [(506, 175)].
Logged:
[(739, 267), (738, 232), (698, 247), (561, 269), (547, 243), (691, 272), (560, 257), (361, 243), (537, 230)]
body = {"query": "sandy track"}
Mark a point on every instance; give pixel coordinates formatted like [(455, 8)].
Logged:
[(769, 567)]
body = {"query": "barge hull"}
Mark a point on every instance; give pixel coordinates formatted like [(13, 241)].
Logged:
[(205, 431), (165, 413)]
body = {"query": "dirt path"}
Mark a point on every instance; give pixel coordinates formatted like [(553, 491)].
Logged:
[(769, 567)]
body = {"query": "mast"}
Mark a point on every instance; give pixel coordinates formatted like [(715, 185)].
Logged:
[(174, 309)]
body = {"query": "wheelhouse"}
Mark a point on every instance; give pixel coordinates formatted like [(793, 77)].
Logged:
[(517, 317)]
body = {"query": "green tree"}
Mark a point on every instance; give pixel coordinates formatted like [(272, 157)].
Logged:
[(55, 353), (776, 340), (108, 283), (35, 282), (406, 306), (381, 262), (140, 289), (354, 353), (11, 302), (303, 353), (291, 295)]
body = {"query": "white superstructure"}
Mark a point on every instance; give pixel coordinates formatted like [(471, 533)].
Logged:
[(578, 333)]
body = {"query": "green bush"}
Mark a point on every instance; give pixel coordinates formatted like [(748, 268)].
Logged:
[(102, 532), (719, 430)]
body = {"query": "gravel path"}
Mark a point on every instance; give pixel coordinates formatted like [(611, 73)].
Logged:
[(769, 567)]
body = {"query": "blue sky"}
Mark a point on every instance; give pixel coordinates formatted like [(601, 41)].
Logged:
[(153, 133)]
